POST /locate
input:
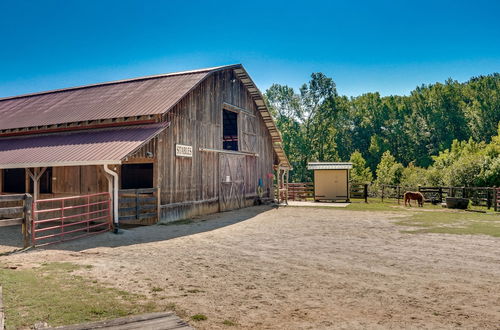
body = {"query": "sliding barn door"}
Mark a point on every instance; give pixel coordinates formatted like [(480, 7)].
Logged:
[(232, 181)]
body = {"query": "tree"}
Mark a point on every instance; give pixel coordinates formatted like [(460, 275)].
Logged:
[(360, 173), (388, 170)]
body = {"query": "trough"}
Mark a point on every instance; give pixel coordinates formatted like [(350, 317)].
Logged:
[(457, 203)]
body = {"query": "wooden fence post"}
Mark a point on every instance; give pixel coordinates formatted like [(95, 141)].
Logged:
[(398, 192), (365, 192), (440, 194), (382, 193), (495, 198)]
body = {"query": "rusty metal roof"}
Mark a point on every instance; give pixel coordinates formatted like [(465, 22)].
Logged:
[(89, 147), (149, 95), (124, 98)]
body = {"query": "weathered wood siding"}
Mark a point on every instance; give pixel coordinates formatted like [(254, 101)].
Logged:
[(191, 186)]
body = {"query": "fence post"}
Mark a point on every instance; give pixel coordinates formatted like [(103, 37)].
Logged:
[(495, 198), (488, 199), (365, 192), (398, 193), (440, 194), (463, 192), (27, 226), (382, 193)]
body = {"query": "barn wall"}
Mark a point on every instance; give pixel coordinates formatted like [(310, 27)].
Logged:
[(190, 186)]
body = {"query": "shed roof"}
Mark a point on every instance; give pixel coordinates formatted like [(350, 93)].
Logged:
[(329, 166), (89, 147)]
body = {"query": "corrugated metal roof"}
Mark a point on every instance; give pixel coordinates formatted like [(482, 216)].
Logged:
[(102, 146), (329, 166), (149, 95), (116, 100)]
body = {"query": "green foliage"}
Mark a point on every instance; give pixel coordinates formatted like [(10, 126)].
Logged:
[(360, 173), (388, 170), (319, 125)]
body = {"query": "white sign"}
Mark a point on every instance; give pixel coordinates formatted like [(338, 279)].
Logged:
[(183, 151)]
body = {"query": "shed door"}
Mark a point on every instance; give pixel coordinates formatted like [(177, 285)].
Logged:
[(232, 181), (330, 184)]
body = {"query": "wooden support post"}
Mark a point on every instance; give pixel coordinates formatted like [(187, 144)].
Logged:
[(27, 225), (278, 183), (35, 176), (382, 193), (440, 194), (398, 192)]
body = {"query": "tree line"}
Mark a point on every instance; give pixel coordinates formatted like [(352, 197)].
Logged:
[(442, 133)]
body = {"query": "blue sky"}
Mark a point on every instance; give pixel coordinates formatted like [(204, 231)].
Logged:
[(365, 46)]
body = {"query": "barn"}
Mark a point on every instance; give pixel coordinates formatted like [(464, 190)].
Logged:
[(164, 147)]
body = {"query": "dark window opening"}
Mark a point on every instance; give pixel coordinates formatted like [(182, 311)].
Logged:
[(230, 130), (14, 180), (137, 176), (45, 182)]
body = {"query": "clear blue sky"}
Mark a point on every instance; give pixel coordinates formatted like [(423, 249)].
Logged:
[(386, 46)]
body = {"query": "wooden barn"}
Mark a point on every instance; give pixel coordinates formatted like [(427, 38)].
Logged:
[(165, 147)]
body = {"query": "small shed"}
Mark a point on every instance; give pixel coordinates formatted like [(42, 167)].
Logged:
[(331, 181)]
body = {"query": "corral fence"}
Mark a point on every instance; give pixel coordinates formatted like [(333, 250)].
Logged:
[(16, 210), (480, 196), (302, 191), (58, 220)]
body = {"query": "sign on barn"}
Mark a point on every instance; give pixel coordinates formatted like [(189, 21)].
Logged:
[(183, 150)]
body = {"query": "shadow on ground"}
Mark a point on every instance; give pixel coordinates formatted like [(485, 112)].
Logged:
[(144, 234)]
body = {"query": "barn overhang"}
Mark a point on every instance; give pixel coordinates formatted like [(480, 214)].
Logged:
[(78, 148)]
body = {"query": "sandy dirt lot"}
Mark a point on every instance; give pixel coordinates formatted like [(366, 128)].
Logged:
[(299, 268)]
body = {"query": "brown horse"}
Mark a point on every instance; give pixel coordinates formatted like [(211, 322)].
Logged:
[(415, 195)]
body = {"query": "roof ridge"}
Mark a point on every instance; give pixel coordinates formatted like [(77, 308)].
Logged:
[(113, 82)]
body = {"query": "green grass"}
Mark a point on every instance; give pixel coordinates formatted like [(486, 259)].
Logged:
[(432, 218), (198, 317), (459, 222), (229, 323), (51, 293)]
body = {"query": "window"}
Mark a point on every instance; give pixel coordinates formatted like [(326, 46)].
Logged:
[(14, 180), (137, 176), (230, 130), (45, 182)]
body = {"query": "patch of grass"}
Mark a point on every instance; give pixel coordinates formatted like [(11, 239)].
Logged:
[(453, 222), (50, 293), (156, 289), (229, 323), (198, 317)]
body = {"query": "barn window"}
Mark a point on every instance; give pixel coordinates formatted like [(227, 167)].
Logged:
[(14, 180), (45, 182), (230, 130), (137, 176)]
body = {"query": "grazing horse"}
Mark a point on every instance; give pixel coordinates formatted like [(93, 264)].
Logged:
[(415, 195)]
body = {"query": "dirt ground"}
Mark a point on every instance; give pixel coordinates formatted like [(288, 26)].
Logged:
[(299, 268)]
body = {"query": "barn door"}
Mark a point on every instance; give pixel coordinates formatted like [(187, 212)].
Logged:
[(248, 132), (232, 181)]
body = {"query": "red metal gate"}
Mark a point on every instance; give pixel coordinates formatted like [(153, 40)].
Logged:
[(57, 220)]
